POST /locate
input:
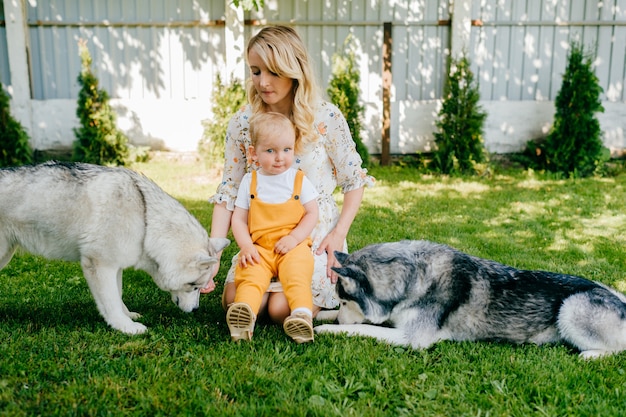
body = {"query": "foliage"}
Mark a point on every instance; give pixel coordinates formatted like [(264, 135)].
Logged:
[(248, 5), (226, 99), (60, 358), (14, 147), (343, 91), (574, 145), (98, 141), (460, 123)]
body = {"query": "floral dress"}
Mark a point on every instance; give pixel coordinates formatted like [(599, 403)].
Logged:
[(330, 162)]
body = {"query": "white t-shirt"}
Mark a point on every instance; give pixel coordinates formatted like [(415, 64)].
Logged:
[(274, 189)]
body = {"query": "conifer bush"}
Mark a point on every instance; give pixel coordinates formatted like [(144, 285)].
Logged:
[(343, 91), (574, 146), (226, 99), (459, 139), (14, 146), (98, 140)]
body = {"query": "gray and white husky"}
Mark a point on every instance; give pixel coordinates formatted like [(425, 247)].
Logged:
[(430, 292), (108, 219)]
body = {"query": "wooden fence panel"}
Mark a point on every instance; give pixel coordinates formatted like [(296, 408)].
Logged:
[(521, 48)]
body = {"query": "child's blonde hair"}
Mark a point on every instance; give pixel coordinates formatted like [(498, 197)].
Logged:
[(282, 51), (265, 124)]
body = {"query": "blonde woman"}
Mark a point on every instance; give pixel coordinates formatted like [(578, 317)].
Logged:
[(281, 80)]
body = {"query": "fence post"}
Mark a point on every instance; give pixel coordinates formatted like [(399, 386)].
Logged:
[(460, 28), (17, 45)]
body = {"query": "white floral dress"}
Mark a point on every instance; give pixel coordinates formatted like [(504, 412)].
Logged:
[(331, 162)]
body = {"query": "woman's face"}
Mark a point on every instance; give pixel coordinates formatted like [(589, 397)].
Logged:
[(275, 91)]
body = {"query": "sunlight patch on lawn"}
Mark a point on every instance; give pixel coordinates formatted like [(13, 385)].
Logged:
[(588, 230), (464, 188), (519, 210), (429, 190), (620, 285), (604, 225), (537, 184), (562, 242)]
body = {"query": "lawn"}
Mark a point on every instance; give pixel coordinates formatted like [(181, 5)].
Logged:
[(60, 358)]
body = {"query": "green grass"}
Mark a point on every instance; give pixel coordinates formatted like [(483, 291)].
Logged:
[(58, 357)]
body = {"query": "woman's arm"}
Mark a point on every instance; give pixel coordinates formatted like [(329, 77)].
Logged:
[(220, 224), (335, 239)]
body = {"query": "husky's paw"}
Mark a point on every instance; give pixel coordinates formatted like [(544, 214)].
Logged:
[(327, 315), (594, 354), (328, 328), (133, 315), (131, 328)]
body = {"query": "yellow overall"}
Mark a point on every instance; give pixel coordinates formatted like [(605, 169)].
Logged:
[(267, 224)]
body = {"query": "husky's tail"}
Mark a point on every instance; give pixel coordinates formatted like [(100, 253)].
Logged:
[(594, 321)]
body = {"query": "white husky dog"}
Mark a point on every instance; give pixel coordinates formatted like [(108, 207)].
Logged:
[(109, 219), (429, 292)]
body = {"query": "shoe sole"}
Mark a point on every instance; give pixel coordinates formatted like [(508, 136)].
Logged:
[(300, 330), (240, 320)]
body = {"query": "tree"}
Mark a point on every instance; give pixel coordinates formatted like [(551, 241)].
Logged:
[(343, 91), (226, 99), (14, 147), (574, 145), (98, 141), (460, 124), (248, 5)]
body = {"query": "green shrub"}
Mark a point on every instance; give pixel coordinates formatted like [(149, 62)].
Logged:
[(98, 141), (343, 91), (227, 99), (14, 147), (249, 5), (459, 139), (574, 145)]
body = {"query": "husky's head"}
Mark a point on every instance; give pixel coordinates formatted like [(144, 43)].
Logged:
[(351, 291), (372, 281), (191, 275)]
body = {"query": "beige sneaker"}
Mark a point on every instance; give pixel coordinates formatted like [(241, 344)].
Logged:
[(299, 327), (240, 320)]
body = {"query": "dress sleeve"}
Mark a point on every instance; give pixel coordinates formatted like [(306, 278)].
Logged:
[(235, 160), (341, 150)]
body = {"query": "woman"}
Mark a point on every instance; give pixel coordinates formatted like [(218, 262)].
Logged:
[(281, 80)]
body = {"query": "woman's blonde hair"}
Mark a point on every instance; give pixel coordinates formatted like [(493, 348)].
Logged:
[(282, 51)]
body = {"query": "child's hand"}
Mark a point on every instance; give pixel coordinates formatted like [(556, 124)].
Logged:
[(249, 256), (285, 244)]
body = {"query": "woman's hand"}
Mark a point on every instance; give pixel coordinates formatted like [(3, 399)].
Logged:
[(335, 239), (331, 243), (211, 284)]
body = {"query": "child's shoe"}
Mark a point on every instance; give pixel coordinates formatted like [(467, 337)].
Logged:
[(299, 327), (240, 320)]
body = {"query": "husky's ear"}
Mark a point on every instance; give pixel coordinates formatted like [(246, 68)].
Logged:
[(216, 244), (341, 258), (205, 262), (342, 272)]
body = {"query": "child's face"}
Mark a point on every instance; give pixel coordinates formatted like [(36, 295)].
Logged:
[(275, 153)]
